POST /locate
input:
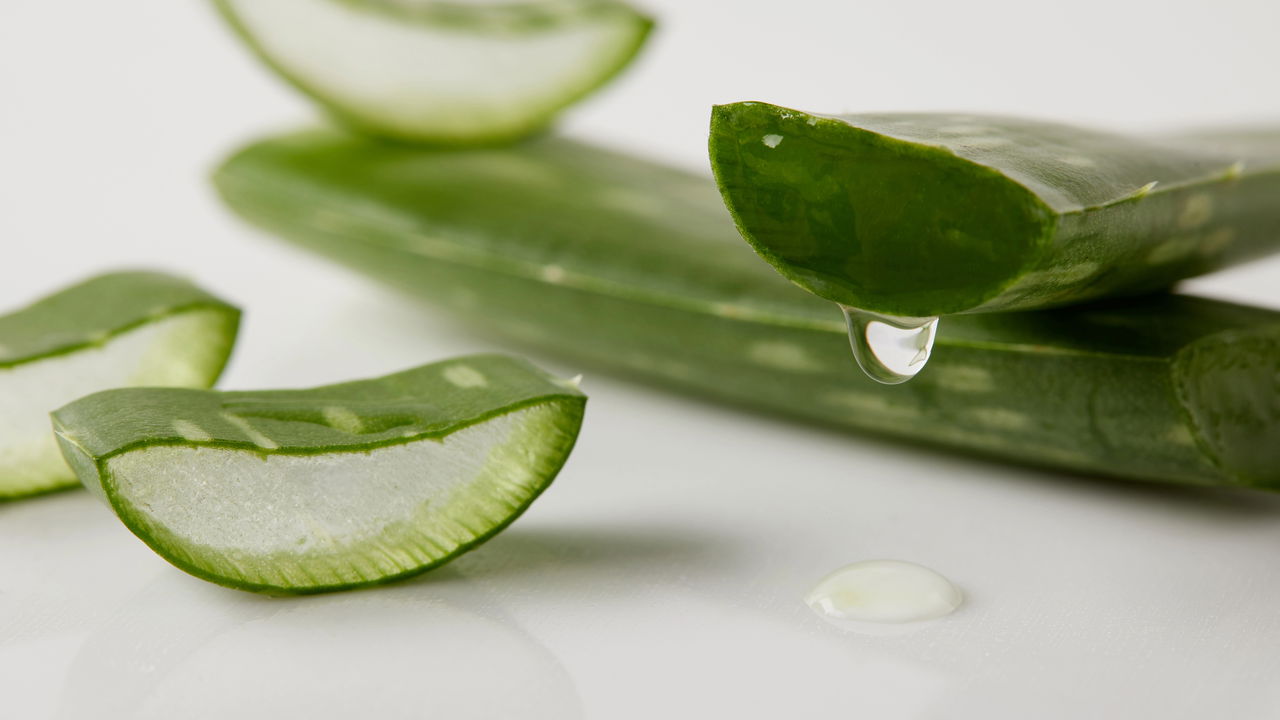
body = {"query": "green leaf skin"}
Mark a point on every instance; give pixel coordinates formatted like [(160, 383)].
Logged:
[(302, 491), (448, 73), (925, 215), (636, 267), (118, 329)]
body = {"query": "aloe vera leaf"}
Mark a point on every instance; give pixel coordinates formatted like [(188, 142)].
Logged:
[(125, 328), (636, 267), (301, 491), (442, 72), (926, 215)]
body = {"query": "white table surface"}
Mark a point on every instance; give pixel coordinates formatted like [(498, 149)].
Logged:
[(662, 574)]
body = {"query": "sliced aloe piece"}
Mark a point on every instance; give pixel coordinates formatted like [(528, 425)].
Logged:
[(115, 330), (637, 267), (442, 72), (927, 215), (298, 491)]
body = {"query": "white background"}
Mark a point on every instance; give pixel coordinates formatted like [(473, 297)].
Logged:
[(662, 574)]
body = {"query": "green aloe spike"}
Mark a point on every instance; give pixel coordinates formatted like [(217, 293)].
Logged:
[(126, 328), (927, 215), (637, 267), (299, 491), (442, 72)]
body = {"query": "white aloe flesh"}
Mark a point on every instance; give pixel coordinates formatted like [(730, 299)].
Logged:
[(307, 491), (442, 72), (169, 346)]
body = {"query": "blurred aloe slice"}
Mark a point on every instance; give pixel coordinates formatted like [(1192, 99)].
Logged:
[(442, 72), (114, 330), (296, 491)]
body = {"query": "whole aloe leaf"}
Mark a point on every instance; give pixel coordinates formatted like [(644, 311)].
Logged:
[(637, 267)]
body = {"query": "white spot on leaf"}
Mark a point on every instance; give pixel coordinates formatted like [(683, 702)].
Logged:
[(1173, 249), (963, 378), (1001, 418), (342, 419), (783, 356), (190, 431), (771, 141), (630, 201), (872, 404), (1058, 277), (250, 432), (1196, 211), (553, 274), (465, 376), (727, 310)]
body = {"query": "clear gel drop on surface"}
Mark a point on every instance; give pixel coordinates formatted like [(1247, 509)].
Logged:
[(883, 592), (889, 349)]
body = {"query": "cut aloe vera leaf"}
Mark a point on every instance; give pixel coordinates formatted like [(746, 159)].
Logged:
[(115, 330), (442, 72), (637, 267), (927, 215), (299, 491)]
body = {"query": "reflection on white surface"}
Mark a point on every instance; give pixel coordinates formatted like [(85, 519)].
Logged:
[(666, 615), (180, 649), (621, 594)]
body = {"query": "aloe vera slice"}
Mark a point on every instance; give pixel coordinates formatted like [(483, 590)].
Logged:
[(299, 491), (927, 215), (126, 328), (442, 72), (637, 267)]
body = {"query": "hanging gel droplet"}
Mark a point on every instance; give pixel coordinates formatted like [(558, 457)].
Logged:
[(888, 348), (866, 595)]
